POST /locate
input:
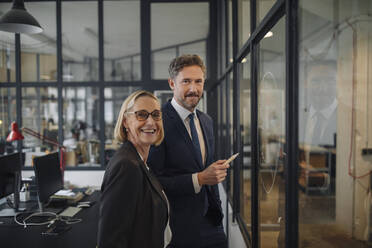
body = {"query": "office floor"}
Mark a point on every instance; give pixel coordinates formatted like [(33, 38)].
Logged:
[(317, 218)]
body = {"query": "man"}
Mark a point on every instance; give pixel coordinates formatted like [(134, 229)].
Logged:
[(322, 89), (183, 162)]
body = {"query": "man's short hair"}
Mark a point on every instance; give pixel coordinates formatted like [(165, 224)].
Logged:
[(178, 63)]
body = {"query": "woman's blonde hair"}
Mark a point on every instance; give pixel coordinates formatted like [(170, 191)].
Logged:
[(120, 134)]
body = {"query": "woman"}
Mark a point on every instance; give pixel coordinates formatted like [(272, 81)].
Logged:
[(134, 208)]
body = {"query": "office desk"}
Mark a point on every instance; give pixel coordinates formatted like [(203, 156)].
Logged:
[(81, 235)]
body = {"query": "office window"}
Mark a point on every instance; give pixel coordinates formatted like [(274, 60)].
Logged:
[(38, 51), (40, 114), (81, 125), (174, 31), (244, 21), (245, 132), (271, 132), (263, 7), (334, 121), (122, 40), (80, 42), (8, 114), (114, 98)]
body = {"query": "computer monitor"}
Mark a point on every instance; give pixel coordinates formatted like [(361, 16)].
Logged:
[(48, 177), (10, 177)]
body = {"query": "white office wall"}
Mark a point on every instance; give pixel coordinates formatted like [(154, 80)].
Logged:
[(78, 178)]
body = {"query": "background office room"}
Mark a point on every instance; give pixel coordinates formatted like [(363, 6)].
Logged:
[(288, 86)]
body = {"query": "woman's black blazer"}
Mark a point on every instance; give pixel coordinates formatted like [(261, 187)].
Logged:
[(133, 210)]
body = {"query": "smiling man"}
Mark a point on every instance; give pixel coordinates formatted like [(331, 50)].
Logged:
[(184, 163)]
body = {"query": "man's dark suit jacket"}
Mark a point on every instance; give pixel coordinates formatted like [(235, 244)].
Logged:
[(174, 162), (133, 209)]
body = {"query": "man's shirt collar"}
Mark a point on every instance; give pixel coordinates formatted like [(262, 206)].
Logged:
[(182, 112)]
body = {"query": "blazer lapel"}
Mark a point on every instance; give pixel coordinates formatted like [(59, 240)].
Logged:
[(146, 172), (176, 120), (153, 182)]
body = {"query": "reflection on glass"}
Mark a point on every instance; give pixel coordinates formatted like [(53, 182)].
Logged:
[(80, 42), (245, 131), (7, 55), (271, 132), (263, 7), (114, 98), (38, 57), (334, 123), (244, 21), (81, 125), (40, 113), (122, 42), (168, 36), (7, 115)]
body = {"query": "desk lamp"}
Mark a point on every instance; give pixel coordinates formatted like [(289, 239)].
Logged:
[(18, 20), (15, 134)]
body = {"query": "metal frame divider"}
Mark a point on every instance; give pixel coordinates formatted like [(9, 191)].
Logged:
[(254, 136), (59, 69), (101, 79), (18, 85), (236, 114), (291, 158)]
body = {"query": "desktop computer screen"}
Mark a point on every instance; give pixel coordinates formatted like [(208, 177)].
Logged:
[(48, 176), (10, 178), (9, 166)]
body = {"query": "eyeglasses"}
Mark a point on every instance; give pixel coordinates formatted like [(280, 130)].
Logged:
[(142, 115)]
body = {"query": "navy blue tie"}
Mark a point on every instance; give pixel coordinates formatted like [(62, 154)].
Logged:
[(195, 139), (196, 144)]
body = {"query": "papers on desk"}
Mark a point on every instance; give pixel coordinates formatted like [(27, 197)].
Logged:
[(68, 194)]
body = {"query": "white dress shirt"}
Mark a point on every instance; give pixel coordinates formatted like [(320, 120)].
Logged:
[(184, 115), (312, 119)]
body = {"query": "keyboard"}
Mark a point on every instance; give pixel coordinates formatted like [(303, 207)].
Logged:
[(70, 212)]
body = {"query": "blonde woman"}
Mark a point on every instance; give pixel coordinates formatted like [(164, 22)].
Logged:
[(134, 208)]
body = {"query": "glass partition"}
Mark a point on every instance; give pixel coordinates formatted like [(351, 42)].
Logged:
[(114, 98), (7, 55), (244, 21), (334, 122), (81, 125), (230, 32), (40, 114), (38, 57), (263, 7), (80, 42), (122, 40), (8, 114), (187, 33), (271, 135), (160, 62)]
